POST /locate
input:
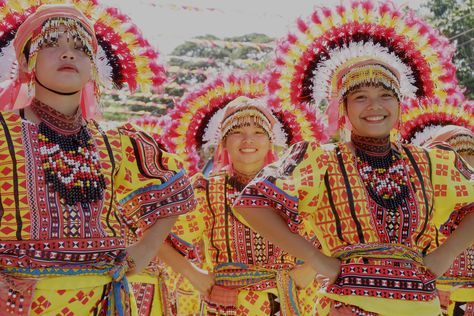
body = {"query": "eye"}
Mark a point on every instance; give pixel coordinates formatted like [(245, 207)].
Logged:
[(359, 97), (50, 42)]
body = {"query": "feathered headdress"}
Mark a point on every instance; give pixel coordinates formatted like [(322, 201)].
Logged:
[(156, 127), (310, 60), (419, 124), (121, 57), (196, 118)]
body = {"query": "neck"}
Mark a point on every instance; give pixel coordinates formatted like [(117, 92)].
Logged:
[(244, 178), (247, 171), (374, 145), (65, 104), (58, 121)]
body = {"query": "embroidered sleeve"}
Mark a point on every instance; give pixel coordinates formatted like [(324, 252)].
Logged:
[(188, 230), (151, 183), (453, 185), (291, 186)]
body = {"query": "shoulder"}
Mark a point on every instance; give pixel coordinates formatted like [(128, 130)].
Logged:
[(199, 182)]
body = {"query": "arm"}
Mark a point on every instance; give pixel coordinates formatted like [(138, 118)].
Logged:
[(143, 251), (201, 280), (303, 275), (453, 208), (273, 227), (460, 239)]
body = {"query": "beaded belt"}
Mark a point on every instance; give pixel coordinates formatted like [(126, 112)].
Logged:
[(19, 284), (378, 250), (240, 276)]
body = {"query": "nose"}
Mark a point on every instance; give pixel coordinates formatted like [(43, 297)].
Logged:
[(68, 54), (373, 103), (248, 138)]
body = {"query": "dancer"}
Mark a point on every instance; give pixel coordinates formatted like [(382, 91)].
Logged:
[(61, 228), (371, 199), (247, 274), (456, 286)]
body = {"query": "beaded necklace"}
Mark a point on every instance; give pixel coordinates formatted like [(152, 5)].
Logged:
[(382, 170), (240, 180), (68, 155)]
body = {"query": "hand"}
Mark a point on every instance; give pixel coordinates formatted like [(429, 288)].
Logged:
[(439, 261), (141, 257), (303, 275), (327, 269), (202, 281)]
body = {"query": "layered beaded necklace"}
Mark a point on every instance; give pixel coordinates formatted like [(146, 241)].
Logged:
[(382, 170), (68, 155)]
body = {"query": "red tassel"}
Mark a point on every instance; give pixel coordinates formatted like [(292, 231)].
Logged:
[(326, 12), (384, 8), (302, 26), (315, 18), (367, 5), (291, 38), (340, 9)]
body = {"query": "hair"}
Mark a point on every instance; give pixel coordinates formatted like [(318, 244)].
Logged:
[(26, 50)]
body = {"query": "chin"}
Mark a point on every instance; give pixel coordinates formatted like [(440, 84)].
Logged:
[(69, 88)]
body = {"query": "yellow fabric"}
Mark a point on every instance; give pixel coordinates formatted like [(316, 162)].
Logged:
[(135, 173), (207, 224), (188, 299), (451, 188), (143, 278), (84, 234), (458, 294), (307, 297), (306, 185), (71, 295), (385, 307)]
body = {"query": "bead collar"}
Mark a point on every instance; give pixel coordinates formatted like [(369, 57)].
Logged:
[(62, 123)]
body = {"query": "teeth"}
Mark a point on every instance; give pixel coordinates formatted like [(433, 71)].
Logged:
[(374, 118), (248, 150)]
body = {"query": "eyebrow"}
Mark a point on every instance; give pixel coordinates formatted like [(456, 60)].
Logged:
[(358, 90)]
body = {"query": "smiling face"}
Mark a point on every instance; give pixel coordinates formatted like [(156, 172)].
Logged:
[(247, 147), (63, 64), (372, 110)]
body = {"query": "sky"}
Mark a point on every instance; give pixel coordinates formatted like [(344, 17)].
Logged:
[(168, 23)]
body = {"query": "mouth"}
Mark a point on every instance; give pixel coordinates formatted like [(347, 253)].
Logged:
[(248, 150), (68, 68), (374, 118)]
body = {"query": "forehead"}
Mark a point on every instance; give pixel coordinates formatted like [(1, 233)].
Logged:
[(249, 125), (369, 88)]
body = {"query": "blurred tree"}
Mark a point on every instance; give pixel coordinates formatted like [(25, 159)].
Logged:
[(189, 64), (455, 19)]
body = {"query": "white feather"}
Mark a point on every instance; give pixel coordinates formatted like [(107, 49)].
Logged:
[(104, 68), (9, 65), (355, 50), (420, 138)]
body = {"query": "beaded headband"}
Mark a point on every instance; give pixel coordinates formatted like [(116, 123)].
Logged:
[(245, 115), (48, 35), (463, 143), (367, 74), (459, 138)]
